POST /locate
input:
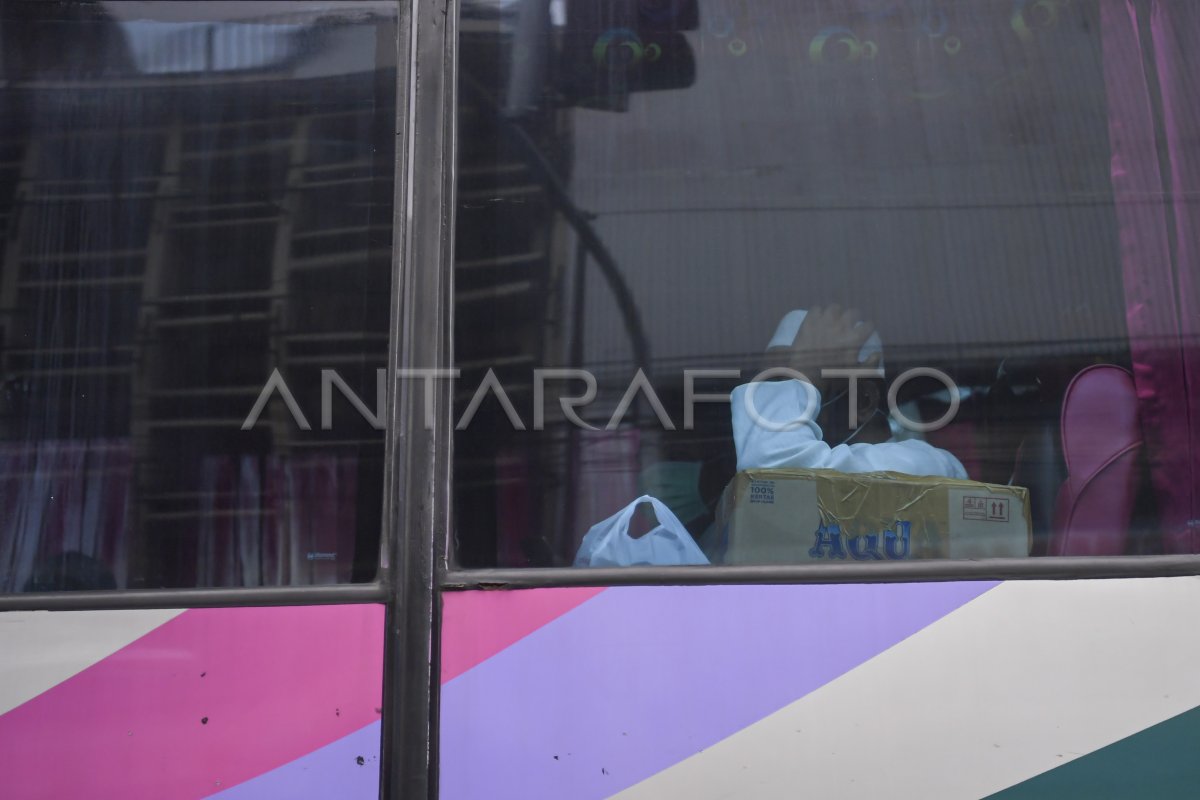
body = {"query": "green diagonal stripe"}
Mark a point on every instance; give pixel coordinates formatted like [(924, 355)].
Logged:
[(1162, 761)]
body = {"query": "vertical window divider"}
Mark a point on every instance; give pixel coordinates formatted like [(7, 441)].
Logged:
[(417, 472)]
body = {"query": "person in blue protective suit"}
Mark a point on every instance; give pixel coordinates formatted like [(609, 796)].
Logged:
[(778, 423)]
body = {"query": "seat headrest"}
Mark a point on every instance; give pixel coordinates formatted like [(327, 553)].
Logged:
[(1099, 419)]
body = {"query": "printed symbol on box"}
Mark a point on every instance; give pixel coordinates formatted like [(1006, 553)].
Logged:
[(990, 509), (975, 508), (762, 492)]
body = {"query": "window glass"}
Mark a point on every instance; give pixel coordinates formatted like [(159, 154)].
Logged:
[(669, 208), (195, 222)]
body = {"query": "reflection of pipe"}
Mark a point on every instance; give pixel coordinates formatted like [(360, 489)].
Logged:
[(580, 221), (526, 77), (575, 357)]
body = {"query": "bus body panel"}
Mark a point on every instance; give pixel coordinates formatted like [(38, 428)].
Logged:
[(931, 690), (230, 702)]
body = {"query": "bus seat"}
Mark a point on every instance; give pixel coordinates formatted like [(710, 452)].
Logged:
[(1101, 444), (1040, 469)]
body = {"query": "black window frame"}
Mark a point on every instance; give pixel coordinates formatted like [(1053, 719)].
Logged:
[(456, 578), (397, 584), (379, 590)]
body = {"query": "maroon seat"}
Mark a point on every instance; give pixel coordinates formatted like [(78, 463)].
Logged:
[(1101, 442)]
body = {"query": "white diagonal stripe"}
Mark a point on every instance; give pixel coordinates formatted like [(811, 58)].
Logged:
[(1020, 680), (39, 649)]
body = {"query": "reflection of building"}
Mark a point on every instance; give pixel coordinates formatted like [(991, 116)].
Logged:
[(510, 263), (526, 256), (172, 236)]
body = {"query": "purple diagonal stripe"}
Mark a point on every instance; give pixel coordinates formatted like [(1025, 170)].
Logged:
[(640, 678), (332, 771)]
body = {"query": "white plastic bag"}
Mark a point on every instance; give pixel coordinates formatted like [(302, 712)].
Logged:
[(608, 543)]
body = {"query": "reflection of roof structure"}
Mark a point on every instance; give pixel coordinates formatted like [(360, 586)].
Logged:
[(164, 48), (249, 39)]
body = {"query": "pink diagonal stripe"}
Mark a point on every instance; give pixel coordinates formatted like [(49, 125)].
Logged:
[(477, 625), (208, 700)]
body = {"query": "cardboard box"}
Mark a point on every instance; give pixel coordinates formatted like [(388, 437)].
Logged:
[(787, 516)]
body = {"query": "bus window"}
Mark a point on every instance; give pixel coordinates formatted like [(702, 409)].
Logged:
[(830, 281), (195, 229)]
